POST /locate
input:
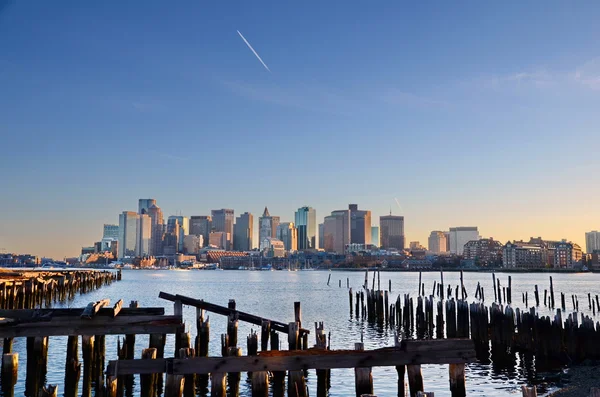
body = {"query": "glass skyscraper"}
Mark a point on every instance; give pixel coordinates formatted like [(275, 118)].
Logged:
[(306, 223)]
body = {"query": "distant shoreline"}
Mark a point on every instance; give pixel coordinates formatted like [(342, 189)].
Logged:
[(569, 271)]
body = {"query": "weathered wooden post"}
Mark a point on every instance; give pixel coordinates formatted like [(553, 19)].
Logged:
[(129, 339), (232, 330), (189, 382), (322, 374), (260, 384), (265, 330), (148, 382), (174, 386), (10, 369), (457, 380), (296, 383), (218, 387), (87, 346), (72, 367), (49, 391), (532, 392), (551, 294), (363, 378), (278, 376), (415, 379), (98, 366), (233, 378)]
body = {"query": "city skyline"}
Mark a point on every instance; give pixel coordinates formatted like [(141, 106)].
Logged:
[(468, 114)]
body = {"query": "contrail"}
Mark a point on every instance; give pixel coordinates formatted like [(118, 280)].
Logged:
[(255, 53), (398, 202)]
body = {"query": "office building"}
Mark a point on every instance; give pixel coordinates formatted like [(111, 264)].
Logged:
[(437, 242), (243, 232), (144, 205), (219, 239), (157, 221), (375, 235), (273, 248), (183, 223), (459, 236), (360, 225), (485, 251), (192, 244), (306, 223), (592, 242), (321, 236), (127, 233), (201, 225), (222, 221), (288, 233), (391, 232), (267, 227), (415, 245), (143, 235), (110, 231), (337, 231)]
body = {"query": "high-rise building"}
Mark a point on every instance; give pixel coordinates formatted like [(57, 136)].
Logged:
[(391, 231), (201, 225), (222, 221), (459, 236), (288, 233), (110, 231), (375, 235), (243, 232), (360, 225), (267, 227), (192, 244), (337, 231), (321, 236), (127, 233), (143, 235), (437, 242), (157, 221), (144, 205), (184, 226), (306, 223), (592, 242), (219, 239)]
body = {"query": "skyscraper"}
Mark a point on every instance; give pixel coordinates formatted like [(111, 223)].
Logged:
[(437, 242), (243, 232), (110, 231), (267, 227), (127, 233), (306, 223), (321, 236), (459, 236), (143, 235), (144, 205), (360, 225), (337, 231), (201, 225), (592, 242), (157, 222), (375, 235), (391, 231), (184, 226), (288, 233), (222, 221)]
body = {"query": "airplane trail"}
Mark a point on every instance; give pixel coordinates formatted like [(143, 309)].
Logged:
[(255, 53)]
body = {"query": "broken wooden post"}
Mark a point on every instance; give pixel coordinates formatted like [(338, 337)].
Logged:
[(87, 347), (49, 391), (260, 384), (174, 386), (72, 367), (218, 386), (532, 392), (148, 382), (265, 330), (189, 382), (415, 379)]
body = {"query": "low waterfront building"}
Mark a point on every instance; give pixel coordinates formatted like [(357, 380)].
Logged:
[(273, 248), (523, 255), (567, 255)]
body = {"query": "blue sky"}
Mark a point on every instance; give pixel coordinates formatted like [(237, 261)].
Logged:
[(469, 113)]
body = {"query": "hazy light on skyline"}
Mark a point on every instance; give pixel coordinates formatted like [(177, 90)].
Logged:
[(481, 114)]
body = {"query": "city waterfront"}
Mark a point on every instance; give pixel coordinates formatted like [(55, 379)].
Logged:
[(271, 295)]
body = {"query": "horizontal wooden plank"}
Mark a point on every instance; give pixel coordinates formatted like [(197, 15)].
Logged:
[(225, 311), (96, 326), (75, 312), (297, 360)]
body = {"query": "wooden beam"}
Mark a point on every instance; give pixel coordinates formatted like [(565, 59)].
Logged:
[(462, 352), (31, 314), (117, 308), (93, 308), (96, 326), (224, 311)]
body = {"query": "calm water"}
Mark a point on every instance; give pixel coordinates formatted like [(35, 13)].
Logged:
[(271, 295)]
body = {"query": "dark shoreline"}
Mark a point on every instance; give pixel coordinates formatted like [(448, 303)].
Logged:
[(558, 271)]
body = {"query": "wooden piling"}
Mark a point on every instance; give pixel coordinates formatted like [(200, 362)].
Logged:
[(232, 330), (174, 386), (415, 379), (531, 391), (148, 382), (551, 294), (10, 369), (87, 346), (72, 367), (265, 330), (457, 380), (260, 384), (189, 382), (494, 282), (363, 378)]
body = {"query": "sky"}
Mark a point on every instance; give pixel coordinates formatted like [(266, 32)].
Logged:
[(469, 113)]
